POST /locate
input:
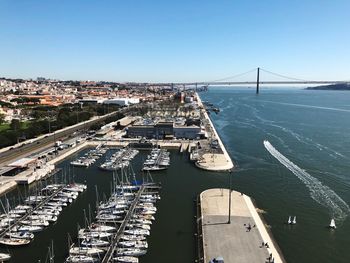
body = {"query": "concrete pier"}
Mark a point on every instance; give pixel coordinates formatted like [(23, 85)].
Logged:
[(213, 161), (241, 240)]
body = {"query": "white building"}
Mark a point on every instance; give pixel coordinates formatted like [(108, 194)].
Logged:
[(122, 101)]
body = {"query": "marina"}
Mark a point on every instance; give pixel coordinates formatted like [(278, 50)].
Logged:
[(121, 227), (157, 160), (90, 157), (19, 223), (119, 159)]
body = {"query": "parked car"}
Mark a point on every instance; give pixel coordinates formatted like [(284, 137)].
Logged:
[(217, 260)]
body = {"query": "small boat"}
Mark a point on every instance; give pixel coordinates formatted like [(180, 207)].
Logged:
[(289, 220), (81, 259), (147, 217), (141, 221), (29, 228), (94, 243), (140, 226), (102, 228), (20, 235), (47, 212), (126, 259), (9, 241), (48, 218), (86, 251), (133, 244), (294, 220), (134, 252), (332, 224), (133, 237), (4, 257), (134, 231), (86, 234), (35, 222), (24, 207)]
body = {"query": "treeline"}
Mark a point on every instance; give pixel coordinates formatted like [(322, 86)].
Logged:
[(49, 119)]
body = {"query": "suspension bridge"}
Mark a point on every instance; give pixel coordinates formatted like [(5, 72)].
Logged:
[(228, 81)]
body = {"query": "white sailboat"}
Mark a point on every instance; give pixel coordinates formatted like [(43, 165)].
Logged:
[(289, 220), (4, 257), (332, 224), (126, 259), (294, 220)]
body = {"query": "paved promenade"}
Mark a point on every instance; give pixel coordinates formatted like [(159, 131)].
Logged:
[(235, 242), (214, 161)]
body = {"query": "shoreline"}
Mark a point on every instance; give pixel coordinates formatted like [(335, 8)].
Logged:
[(218, 165)]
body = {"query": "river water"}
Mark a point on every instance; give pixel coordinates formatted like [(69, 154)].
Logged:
[(301, 170)]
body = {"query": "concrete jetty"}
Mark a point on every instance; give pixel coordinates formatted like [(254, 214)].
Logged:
[(240, 241), (213, 161)]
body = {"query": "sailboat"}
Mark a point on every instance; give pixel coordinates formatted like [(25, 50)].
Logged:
[(289, 220), (332, 224), (294, 220), (4, 257)]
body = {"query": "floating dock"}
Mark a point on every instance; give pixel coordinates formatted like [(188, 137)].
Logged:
[(243, 239)]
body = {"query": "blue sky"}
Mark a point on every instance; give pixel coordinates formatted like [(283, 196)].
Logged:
[(174, 40)]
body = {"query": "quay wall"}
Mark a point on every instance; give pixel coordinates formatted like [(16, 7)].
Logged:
[(225, 166), (231, 239)]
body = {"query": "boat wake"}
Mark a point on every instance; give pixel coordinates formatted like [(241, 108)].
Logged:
[(308, 106), (322, 194)]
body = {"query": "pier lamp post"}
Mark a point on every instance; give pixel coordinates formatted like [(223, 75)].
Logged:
[(229, 197)]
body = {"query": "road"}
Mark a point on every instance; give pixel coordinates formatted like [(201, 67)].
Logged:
[(47, 141)]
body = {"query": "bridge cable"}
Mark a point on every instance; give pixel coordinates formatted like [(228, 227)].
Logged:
[(234, 76), (283, 76)]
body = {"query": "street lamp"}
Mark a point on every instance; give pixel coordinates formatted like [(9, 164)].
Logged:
[(229, 196)]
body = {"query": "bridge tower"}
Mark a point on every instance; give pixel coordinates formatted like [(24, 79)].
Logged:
[(257, 80)]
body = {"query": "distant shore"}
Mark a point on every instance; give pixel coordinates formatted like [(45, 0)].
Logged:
[(340, 86)]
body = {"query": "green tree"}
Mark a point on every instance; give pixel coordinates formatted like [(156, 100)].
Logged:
[(15, 124), (2, 118)]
